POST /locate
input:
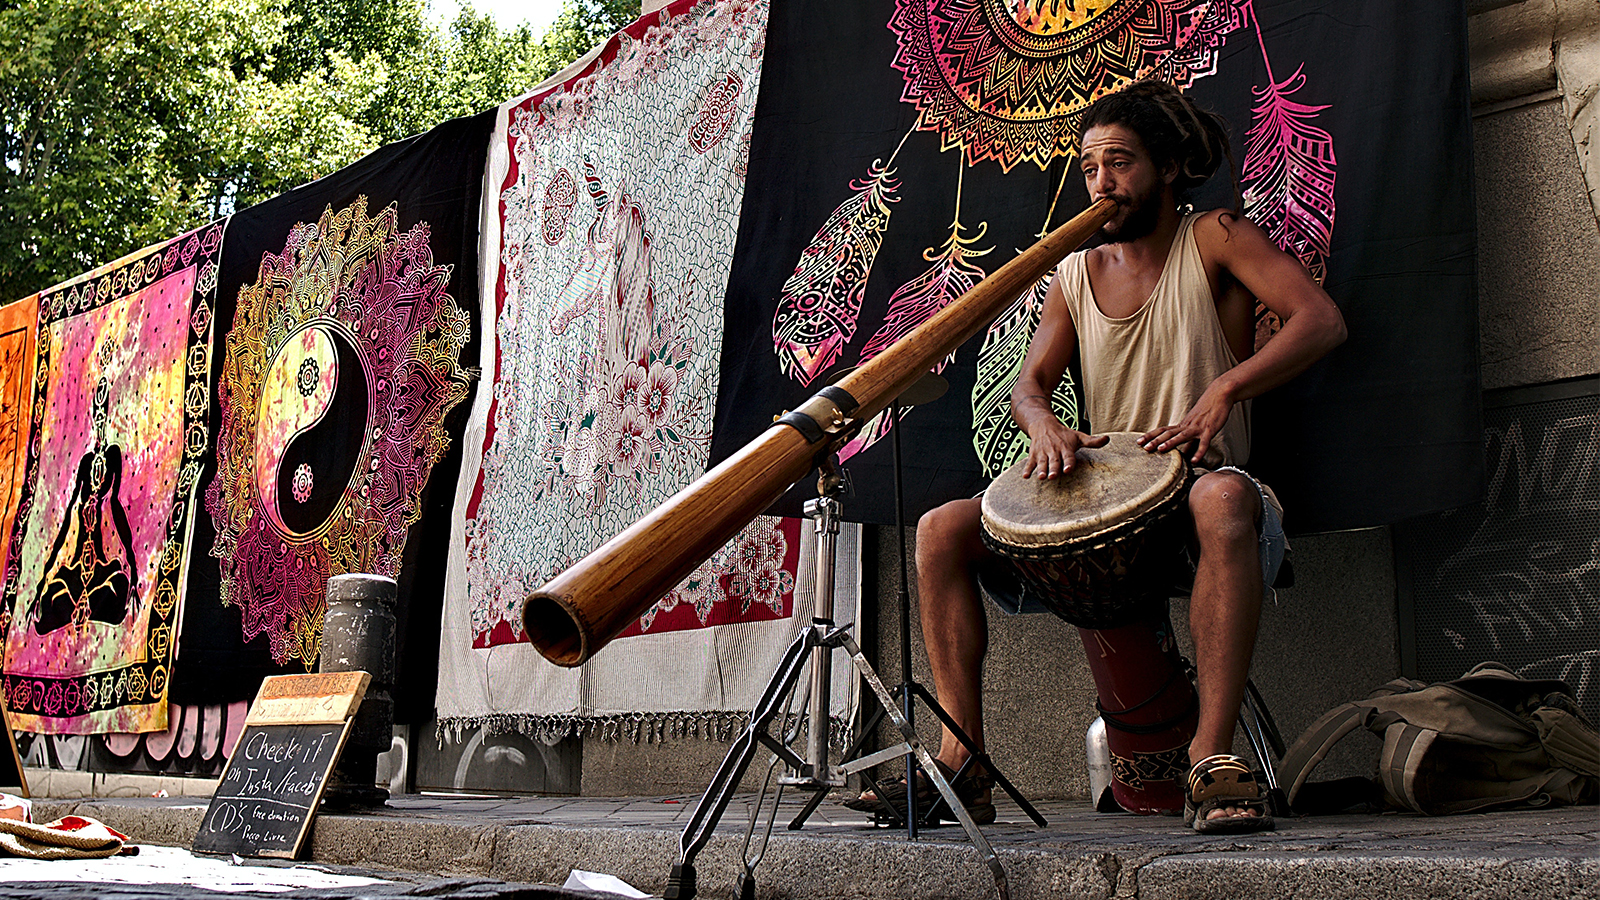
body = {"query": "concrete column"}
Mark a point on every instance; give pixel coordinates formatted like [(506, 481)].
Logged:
[(1542, 49), (358, 634)]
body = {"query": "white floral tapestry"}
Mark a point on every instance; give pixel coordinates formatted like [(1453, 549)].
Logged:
[(611, 208)]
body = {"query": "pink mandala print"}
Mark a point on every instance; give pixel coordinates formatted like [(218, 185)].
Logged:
[(1007, 80), (341, 366), (716, 114), (559, 198)]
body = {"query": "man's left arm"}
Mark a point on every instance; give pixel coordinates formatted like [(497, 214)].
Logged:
[(1312, 325)]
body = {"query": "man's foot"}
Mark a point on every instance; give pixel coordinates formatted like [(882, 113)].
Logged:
[(973, 789), (1225, 797)]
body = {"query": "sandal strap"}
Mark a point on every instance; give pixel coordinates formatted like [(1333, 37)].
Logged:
[(1219, 767)]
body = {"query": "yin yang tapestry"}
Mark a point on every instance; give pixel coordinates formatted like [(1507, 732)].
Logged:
[(349, 354), (94, 571), (614, 203), (903, 149)]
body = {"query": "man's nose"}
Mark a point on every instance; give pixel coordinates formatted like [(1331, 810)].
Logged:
[(1100, 184)]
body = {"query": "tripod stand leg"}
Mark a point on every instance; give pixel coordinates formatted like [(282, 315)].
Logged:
[(866, 733), (681, 881), (978, 755), (870, 675), (1262, 734), (799, 821), (850, 752)]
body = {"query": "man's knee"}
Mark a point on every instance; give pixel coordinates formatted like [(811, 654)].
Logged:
[(947, 536), (1225, 506)]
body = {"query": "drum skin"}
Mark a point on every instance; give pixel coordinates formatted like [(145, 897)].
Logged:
[(1150, 710), (1097, 546)]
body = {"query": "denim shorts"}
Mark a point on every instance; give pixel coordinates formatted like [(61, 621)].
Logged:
[(1000, 582)]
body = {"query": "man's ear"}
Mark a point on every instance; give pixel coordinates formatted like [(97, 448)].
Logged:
[(1169, 172)]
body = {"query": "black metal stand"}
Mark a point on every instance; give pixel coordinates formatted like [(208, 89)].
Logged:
[(908, 692), (814, 773)]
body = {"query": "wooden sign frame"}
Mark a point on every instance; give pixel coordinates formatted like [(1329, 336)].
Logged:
[(16, 757), (284, 706)]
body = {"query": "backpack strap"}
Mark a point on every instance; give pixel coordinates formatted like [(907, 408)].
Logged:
[(1397, 686), (1569, 739), (1404, 746), (1314, 743)]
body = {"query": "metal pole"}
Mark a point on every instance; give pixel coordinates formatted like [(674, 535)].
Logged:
[(908, 702), (825, 510)]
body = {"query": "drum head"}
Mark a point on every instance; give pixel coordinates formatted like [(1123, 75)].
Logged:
[(1110, 486)]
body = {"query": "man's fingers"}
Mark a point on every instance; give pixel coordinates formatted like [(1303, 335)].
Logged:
[(1043, 462), (1153, 440), (1202, 444), (1160, 439), (1057, 464), (1068, 461), (1099, 440)]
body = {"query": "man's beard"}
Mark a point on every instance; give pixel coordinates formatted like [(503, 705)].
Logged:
[(1141, 221)]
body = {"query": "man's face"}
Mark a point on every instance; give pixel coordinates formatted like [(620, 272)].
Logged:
[(1116, 165)]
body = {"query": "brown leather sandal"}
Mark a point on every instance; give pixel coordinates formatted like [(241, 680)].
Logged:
[(1220, 782), (972, 789)]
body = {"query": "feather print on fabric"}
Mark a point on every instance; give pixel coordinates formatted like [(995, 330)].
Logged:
[(916, 301), (996, 438), (1288, 177), (817, 311)]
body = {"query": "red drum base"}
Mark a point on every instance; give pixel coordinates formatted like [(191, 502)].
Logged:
[(1150, 710)]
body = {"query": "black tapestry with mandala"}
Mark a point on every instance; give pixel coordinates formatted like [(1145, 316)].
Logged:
[(905, 148), (348, 360)]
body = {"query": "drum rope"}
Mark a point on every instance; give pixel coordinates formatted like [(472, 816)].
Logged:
[(1112, 721)]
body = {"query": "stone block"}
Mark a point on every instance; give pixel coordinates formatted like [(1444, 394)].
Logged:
[(1538, 250)]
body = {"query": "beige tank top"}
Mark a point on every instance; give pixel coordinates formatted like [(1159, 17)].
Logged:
[(1148, 369)]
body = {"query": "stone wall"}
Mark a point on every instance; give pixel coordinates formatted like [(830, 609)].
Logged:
[(1331, 636)]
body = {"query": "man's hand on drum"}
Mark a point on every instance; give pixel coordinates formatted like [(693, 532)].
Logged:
[(1054, 450), (1202, 423)]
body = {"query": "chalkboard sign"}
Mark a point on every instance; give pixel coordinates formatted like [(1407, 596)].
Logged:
[(274, 780)]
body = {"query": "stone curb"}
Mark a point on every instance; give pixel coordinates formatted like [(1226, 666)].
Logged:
[(848, 867)]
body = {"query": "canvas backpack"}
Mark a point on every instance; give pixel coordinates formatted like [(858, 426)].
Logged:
[(1486, 740)]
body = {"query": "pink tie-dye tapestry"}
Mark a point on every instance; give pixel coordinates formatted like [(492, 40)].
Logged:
[(94, 572)]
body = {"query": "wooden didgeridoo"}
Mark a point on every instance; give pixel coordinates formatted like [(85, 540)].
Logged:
[(579, 611)]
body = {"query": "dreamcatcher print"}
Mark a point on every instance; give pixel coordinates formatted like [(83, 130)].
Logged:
[(1006, 82)]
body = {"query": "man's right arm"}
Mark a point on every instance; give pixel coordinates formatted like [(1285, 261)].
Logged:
[(1053, 447)]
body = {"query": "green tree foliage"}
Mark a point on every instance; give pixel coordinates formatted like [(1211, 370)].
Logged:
[(123, 122), (580, 25)]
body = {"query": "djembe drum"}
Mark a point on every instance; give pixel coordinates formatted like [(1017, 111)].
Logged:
[(1101, 548)]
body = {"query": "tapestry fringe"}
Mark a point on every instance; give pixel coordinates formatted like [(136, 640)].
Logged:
[(648, 728)]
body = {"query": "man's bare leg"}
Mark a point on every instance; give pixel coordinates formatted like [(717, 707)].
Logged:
[(1225, 607), (955, 628)]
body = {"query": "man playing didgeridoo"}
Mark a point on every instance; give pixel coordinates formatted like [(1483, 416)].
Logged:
[(1162, 317)]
